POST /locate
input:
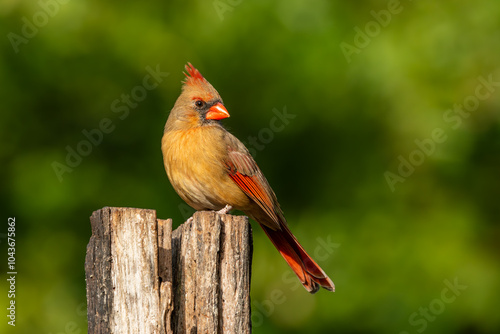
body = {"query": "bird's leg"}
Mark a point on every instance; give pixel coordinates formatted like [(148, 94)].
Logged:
[(225, 210)]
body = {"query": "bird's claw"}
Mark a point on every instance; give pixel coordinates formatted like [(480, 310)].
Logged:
[(225, 210)]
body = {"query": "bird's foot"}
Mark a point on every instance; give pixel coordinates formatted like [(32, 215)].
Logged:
[(190, 220), (225, 210)]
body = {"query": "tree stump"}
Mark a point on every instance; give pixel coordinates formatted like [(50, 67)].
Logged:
[(144, 278)]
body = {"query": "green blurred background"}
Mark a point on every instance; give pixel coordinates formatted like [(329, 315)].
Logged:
[(362, 82)]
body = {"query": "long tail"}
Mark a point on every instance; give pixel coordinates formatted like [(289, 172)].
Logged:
[(309, 272)]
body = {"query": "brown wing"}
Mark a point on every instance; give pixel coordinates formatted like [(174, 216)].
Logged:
[(243, 170)]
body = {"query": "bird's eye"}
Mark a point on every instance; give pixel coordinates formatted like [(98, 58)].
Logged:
[(199, 103)]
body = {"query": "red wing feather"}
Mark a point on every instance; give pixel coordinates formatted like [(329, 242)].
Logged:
[(252, 188), (243, 170)]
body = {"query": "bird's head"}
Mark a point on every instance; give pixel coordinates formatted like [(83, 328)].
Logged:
[(199, 102)]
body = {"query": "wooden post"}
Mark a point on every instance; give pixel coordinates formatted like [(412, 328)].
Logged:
[(144, 278)]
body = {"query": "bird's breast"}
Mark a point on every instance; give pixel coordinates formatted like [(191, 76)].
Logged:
[(195, 164)]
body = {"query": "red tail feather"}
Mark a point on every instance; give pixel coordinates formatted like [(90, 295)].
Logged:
[(309, 272)]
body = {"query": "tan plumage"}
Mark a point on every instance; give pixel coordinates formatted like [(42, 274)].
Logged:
[(210, 168)]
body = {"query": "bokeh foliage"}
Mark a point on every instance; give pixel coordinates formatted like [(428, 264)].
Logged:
[(389, 251)]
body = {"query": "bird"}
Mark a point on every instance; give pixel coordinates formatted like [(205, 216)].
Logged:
[(211, 169)]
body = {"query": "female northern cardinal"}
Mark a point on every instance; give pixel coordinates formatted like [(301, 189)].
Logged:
[(212, 170)]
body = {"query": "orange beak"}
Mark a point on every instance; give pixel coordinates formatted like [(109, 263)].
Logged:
[(217, 111)]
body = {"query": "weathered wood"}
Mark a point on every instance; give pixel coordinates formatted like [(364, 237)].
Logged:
[(235, 274), (165, 272), (98, 273), (212, 255), (144, 278), (125, 275)]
